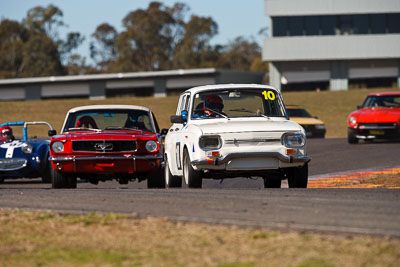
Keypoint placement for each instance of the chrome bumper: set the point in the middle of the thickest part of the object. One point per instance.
(227, 158)
(132, 157)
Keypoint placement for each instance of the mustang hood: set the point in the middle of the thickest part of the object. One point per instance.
(259, 125)
(377, 115)
(108, 135)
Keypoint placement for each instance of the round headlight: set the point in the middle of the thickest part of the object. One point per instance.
(293, 140)
(353, 120)
(26, 148)
(57, 147)
(151, 146)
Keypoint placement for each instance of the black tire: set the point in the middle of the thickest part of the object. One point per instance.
(62, 180)
(298, 177)
(191, 177)
(156, 179)
(171, 181)
(46, 173)
(351, 138)
(272, 181)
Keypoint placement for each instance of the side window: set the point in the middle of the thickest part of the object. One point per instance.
(184, 103)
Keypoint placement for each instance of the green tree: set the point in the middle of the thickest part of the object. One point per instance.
(102, 49)
(241, 54)
(149, 38)
(12, 38)
(194, 49)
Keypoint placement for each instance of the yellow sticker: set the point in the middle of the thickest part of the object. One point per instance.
(269, 95)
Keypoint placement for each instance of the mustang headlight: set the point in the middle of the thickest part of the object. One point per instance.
(210, 142)
(57, 147)
(26, 148)
(151, 146)
(353, 120)
(293, 140)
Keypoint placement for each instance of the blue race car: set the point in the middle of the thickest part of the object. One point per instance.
(25, 158)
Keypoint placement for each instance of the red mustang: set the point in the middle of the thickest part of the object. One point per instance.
(377, 118)
(105, 142)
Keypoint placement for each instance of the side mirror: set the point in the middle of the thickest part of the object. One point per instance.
(359, 107)
(177, 119)
(52, 132)
(164, 131)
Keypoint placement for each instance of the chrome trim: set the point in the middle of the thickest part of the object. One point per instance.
(227, 158)
(4, 162)
(265, 140)
(134, 157)
(376, 127)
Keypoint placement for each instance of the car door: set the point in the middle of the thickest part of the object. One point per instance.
(174, 141)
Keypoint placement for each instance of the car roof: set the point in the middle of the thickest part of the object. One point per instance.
(384, 93)
(198, 89)
(133, 107)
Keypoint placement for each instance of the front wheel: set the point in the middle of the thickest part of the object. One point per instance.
(272, 181)
(191, 177)
(156, 179)
(298, 177)
(46, 174)
(351, 138)
(171, 181)
(62, 180)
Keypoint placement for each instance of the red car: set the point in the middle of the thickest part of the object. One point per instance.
(377, 118)
(105, 142)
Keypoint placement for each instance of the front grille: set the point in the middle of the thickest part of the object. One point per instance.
(105, 146)
(12, 164)
(367, 126)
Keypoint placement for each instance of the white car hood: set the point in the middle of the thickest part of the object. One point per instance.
(248, 125)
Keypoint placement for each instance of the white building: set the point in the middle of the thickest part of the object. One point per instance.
(333, 43)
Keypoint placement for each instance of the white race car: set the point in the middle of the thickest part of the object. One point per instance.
(235, 130)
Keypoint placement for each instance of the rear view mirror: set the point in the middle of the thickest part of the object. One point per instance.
(52, 132)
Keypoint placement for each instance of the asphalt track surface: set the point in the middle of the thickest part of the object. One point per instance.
(242, 201)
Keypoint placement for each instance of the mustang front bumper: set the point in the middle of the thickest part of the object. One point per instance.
(107, 164)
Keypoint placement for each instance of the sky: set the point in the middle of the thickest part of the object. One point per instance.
(234, 17)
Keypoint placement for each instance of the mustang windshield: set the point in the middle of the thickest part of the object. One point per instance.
(237, 103)
(106, 119)
(382, 101)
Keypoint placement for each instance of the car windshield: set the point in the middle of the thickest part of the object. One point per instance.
(236, 103)
(382, 101)
(298, 112)
(113, 120)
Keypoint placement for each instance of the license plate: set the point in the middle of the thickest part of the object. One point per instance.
(377, 132)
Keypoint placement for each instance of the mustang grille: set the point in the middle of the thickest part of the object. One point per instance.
(105, 146)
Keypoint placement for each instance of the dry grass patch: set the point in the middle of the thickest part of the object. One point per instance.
(49, 239)
(332, 107)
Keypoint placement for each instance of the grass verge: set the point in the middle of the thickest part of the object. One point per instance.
(50, 239)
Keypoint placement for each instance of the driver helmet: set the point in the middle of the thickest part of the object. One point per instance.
(6, 133)
(214, 102)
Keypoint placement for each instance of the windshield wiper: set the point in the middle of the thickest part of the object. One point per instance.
(84, 129)
(250, 111)
(218, 113)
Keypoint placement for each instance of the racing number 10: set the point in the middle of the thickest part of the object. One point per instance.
(268, 95)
